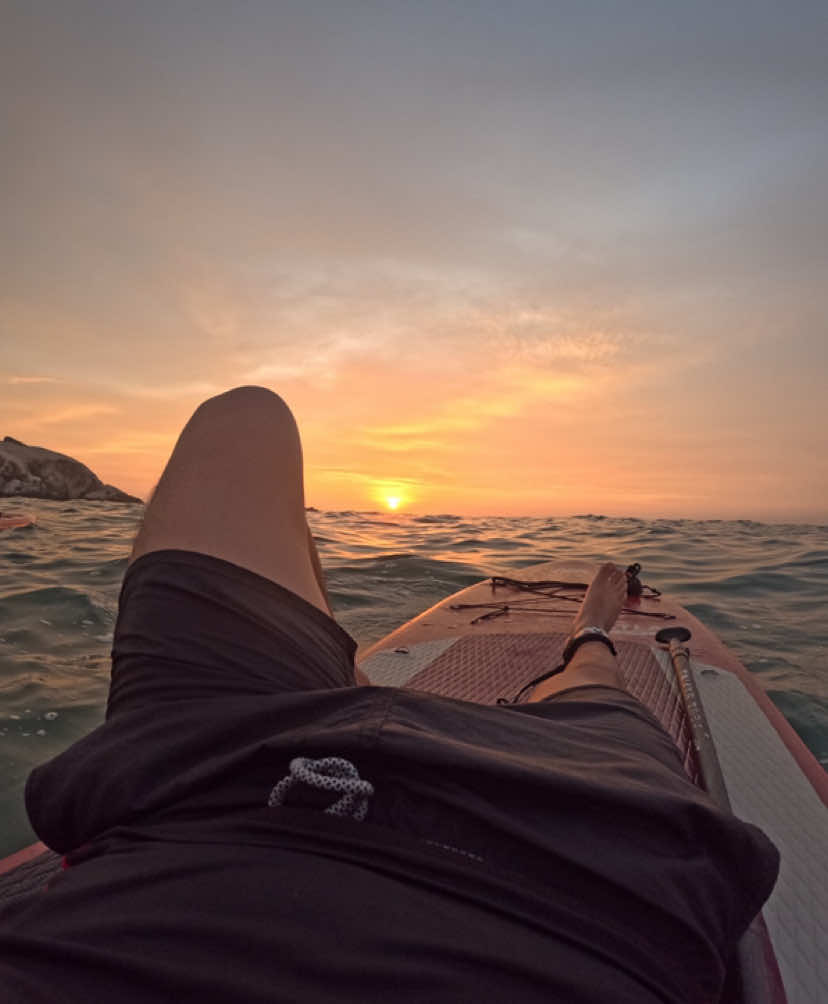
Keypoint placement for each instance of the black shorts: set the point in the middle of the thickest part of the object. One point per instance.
(553, 850)
(193, 627)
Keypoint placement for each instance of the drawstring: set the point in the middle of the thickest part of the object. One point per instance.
(331, 774)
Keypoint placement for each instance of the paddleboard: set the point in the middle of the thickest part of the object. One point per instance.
(490, 639)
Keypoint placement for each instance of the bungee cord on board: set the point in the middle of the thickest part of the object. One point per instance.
(552, 589)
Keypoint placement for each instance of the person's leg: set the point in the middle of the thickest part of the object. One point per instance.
(233, 489)
(592, 663)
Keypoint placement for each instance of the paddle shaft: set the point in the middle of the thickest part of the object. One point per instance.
(711, 772)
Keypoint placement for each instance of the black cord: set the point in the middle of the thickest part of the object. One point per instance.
(531, 684)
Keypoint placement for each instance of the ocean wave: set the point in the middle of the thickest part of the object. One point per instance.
(437, 518)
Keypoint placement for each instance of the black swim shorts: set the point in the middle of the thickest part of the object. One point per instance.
(548, 851)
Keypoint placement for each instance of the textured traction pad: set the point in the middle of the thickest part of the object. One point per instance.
(485, 667)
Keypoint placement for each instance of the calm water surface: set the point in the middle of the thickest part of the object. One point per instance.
(761, 587)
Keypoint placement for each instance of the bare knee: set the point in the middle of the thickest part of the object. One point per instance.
(246, 398)
(250, 405)
(241, 449)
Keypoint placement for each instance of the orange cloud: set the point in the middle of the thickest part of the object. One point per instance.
(71, 413)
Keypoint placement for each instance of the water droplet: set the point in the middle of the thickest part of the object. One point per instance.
(15, 718)
(44, 621)
(40, 732)
(50, 716)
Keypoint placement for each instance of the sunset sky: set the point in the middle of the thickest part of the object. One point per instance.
(499, 258)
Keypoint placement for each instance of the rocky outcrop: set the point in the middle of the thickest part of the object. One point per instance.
(33, 472)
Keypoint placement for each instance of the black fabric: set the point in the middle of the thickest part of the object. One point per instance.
(543, 852)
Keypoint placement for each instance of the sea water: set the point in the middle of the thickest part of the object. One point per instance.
(762, 588)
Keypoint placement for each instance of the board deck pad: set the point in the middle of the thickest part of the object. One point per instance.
(486, 667)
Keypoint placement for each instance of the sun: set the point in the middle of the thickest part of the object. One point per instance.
(390, 494)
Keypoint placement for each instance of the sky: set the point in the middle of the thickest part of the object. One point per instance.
(531, 258)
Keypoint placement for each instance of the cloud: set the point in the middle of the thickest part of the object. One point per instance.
(129, 444)
(32, 379)
(348, 474)
(504, 393)
(72, 413)
(320, 362)
(173, 391)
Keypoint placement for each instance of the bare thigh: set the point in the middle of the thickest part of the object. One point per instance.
(233, 488)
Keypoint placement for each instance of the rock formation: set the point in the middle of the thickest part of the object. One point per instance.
(32, 472)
